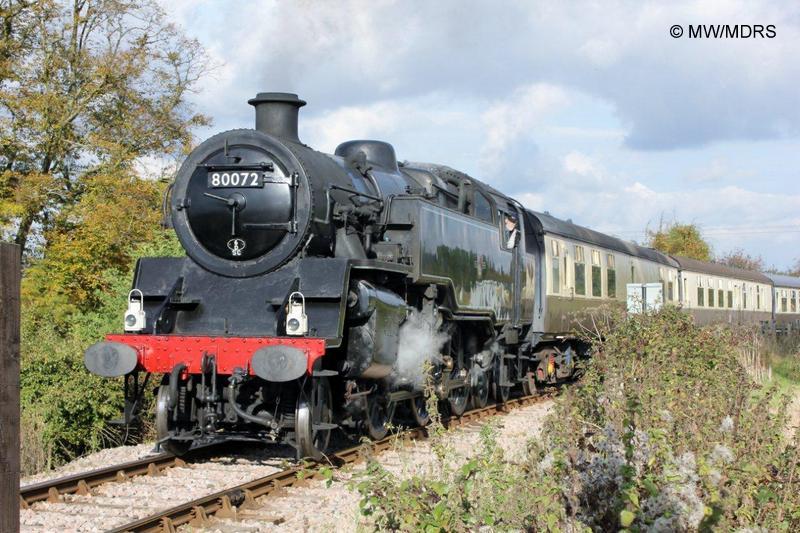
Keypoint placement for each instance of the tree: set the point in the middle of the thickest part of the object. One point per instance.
(793, 270)
(114, 215)
(738, 258)
(680, 239)
(87, 87)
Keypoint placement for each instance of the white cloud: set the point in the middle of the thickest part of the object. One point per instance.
(668, 92)
(729, 217)
(601, 52)
(494, 91)
(533, 201)
(517, 117)
(580, 164)
(155, 167)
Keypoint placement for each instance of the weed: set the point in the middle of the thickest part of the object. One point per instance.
(670, 429)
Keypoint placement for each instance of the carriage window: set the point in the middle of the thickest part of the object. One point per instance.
(711, 297)
(611, 277)
(580, 271)
(701, 296)
(597, 275)
(794, 301)
(611, 282)
(670, 286)
(730, 299)
(556, 274)
(483, 208)
(758, 297)
(784, 306)
(720, 298)
(744, 296)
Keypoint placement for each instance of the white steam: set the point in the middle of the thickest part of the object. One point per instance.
(420, 341)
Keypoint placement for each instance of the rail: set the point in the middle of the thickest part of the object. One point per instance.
(228, 502)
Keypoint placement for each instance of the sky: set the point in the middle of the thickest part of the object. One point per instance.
(592, 111)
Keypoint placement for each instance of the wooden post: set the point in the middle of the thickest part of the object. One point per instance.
(10, 269)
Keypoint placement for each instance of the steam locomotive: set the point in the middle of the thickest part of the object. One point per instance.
(318, 289)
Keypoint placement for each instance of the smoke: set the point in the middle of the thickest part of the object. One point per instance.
(420, 341)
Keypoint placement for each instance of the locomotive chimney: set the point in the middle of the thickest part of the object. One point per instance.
(276, 114)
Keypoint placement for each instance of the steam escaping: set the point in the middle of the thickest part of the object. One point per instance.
(420, 341)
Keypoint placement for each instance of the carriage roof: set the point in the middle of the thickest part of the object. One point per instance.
(716, 269)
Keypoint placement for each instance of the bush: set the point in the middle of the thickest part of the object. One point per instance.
(484, 491)
(666, 432)
(65, 409)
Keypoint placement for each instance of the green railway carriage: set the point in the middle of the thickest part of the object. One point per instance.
(718, 293)
(785, 302)
(583, 269)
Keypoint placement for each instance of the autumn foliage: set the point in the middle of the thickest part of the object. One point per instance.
(93, 117)
(680, 239)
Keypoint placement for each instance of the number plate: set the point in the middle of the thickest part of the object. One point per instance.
(220, 179)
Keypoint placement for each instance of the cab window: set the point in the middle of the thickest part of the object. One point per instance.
(509, 243)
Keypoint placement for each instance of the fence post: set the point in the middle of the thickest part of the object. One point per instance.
(10, 269)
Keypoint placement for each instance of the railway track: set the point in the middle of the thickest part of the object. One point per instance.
(78, 493)
(229, 503)
(81, 483)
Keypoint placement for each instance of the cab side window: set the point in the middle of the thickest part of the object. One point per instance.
(510, 228)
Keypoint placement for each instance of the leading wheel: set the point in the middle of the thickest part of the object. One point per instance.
(313, 419)
(166, 424)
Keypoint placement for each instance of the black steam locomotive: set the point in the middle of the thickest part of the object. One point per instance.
(318, 288)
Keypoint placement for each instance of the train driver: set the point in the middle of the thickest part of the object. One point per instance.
(512, 233)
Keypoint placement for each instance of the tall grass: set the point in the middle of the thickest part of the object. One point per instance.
(669, 430)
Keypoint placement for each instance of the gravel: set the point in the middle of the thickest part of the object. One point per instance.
(114, 504)
(316, 507)
(313, 507)
(101, 459)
